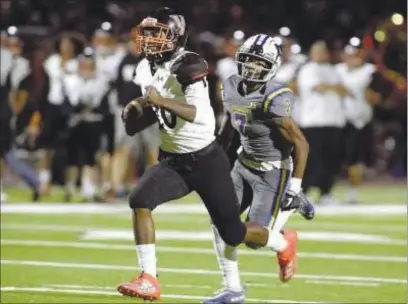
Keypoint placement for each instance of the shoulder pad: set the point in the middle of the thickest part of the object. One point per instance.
(278, 100)
(273, 86)
(189, 68)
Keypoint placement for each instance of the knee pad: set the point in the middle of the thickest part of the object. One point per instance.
(253, 245)
(232, 233)
(138, 200)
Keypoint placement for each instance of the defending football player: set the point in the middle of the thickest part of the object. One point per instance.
(176, 94)
(266, 179)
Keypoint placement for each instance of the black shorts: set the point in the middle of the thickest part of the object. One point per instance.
(55, 128)
(358, 145)
(207, 172)
(82, 144)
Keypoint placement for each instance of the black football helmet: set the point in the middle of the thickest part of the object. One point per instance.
(160, 35)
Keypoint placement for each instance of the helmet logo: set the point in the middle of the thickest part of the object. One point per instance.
(180, 23)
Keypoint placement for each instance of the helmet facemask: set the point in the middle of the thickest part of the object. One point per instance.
(155, 39)
(254, 68)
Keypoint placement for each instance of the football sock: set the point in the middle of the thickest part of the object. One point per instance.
(281, 219)
(276, 241)
(228, 263)
(147, 258)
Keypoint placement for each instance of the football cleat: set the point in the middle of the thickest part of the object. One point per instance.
(226, 296)
(287, 258)
(306, 208)
(144, 287)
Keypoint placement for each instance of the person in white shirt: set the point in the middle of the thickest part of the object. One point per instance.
(292, 60)
(109, 55)
(84, 91)
(322, 118)
(356, 75)
(54, 122)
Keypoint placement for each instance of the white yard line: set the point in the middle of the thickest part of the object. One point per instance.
(118, 234)
(181, 286)
(195, 208)
(200, 271)
(292, 223)
(195, 236)
(357, 284)
(113, 293)
(189, 250)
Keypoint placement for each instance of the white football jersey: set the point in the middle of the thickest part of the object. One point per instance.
(56, 72)
(176, 134)
(358, 110)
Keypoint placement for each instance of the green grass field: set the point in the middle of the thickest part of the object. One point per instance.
(61, 253)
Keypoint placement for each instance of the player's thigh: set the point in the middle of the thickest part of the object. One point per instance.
(214, 184)
(159, 184)
(242, 188)
(269, 189)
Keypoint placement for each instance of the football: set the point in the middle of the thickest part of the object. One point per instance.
(138, 117)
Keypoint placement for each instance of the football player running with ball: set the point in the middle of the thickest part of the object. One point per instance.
(175, 93)
(266, 179)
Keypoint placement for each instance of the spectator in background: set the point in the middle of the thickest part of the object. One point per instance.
(322, 118)
(109, 55)
(145, 143)
(15, 82)
(292, 60)
(54, 124)
(84, 91)
(356, 75)
(227, 65)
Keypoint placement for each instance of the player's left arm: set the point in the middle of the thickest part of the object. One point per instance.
(279, 113)
(190, 70)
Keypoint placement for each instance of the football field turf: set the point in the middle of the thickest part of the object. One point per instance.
(77, 253)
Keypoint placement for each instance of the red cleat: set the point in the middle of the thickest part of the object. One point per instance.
(288, 258)
(144, 286)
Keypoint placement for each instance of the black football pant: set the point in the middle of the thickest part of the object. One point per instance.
(324, 158)
(207, 172)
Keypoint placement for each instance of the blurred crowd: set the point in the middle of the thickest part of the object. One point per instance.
(67, 70)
